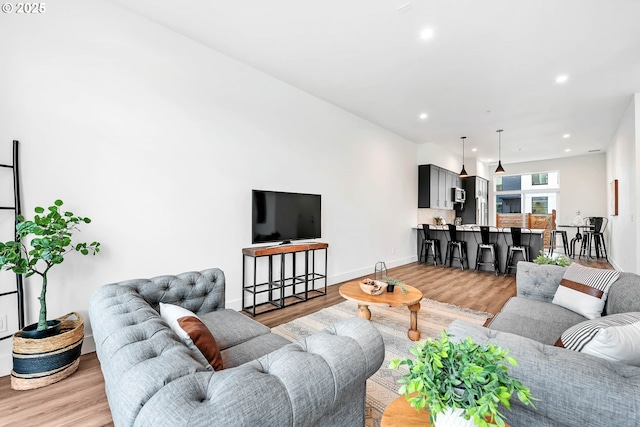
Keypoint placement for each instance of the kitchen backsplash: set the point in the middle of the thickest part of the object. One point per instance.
(426, 216)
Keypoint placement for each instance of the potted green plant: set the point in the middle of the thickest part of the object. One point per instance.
(392, 283)
(51, 241)
(463, 379)
(560, 260)
(438, 220)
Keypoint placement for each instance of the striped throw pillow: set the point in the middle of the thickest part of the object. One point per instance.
(584, 289)
(615, 338)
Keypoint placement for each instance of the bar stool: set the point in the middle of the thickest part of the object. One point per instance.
(429, 242)
(486, 243)
(520, 242)
(452, 243)
(565, 242)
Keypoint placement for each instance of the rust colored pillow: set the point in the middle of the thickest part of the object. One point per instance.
(202, 338)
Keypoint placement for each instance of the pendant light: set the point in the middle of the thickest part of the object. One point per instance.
(463, 173)
(499, 169)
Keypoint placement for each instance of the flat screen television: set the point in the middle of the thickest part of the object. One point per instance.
(280, 216)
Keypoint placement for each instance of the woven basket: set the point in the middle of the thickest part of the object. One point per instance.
(40, 362)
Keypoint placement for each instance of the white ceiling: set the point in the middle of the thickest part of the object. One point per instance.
(490, 65)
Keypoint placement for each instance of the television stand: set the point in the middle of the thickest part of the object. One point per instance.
(278, 289)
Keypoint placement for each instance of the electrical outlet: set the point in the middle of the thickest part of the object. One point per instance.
(3, 323)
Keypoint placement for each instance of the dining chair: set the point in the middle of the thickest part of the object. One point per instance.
(429, 242)
(520, 243)
(594, 236)
(486, 240)
(453, 243)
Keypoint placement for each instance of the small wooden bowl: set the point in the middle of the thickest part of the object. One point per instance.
(373, 287)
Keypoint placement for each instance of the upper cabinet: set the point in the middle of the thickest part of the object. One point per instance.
(435, 186)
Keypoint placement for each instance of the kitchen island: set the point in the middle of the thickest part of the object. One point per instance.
(469, 234)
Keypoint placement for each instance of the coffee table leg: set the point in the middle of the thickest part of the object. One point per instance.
(414, 333)
(363, 312)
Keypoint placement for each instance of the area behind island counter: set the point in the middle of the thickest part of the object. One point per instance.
(466, 233)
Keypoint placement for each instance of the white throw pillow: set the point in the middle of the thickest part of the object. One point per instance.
(584, 289)
(170, 313)
(615, 338)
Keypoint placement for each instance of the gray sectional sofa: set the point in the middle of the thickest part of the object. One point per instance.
(153, 379)
(574, 389)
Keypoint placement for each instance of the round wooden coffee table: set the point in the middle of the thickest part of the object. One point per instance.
(399, 413)
(352, 292)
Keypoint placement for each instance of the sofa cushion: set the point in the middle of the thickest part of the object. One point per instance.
(232, 328)
(584, 289)
(615, 338)
(170, 313)
(537, 320)
(252, 349)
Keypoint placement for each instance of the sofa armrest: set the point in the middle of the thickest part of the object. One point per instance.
(573, 389)
(538, 282)
(319, 380)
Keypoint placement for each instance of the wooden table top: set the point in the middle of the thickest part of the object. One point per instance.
(399, 413)
(352, 292)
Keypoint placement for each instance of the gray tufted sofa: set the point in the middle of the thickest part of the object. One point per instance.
(152, 379)
(574, 389)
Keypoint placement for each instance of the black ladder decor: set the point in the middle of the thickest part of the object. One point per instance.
(16, 209)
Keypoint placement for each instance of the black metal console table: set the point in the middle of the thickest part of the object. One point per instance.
(287, 288)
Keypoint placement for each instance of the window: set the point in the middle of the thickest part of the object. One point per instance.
(540, 205)
(539, 179)
(529, 193)
(509, 203)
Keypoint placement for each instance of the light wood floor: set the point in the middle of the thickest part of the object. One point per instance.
(80, 399)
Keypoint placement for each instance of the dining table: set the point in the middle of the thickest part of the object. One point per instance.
(577, 238)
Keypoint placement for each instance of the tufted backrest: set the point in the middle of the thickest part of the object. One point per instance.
(197, 291)
(624, 294)
(540, 282)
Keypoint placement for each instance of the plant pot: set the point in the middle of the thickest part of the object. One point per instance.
(390, 288)
(31, 331)
(453, 417)
(38, 362)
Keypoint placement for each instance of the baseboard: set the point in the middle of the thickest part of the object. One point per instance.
(236, 304)
(6, 364)
(344, 277)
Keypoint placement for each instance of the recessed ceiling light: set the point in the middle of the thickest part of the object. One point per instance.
(562, 78)
(423, 116)
(566, 135)
(426, 34)
(474, 149)
(566, 150)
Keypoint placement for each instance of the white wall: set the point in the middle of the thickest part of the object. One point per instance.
(622, 158)
(160, 140)
(431, 153)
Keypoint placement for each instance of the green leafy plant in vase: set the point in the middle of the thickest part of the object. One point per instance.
(52, 230)
(560, 260)
(392, 283)
(464, 378)
(438, 220)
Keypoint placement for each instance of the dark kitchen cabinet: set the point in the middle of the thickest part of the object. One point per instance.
(435, 186)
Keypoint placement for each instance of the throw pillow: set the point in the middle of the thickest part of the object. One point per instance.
(203, 340)
(615, 338)
(193, 333)
(584, 289)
